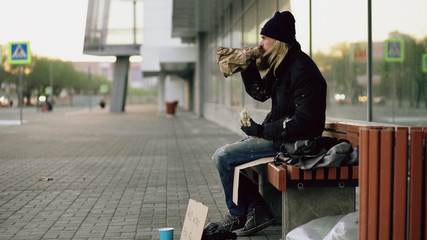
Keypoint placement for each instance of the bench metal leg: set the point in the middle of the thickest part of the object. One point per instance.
(299, 206)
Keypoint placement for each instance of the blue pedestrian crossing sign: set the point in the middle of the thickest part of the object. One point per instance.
(19, 53)
(103, 88)
(394, 50)
(48, 91)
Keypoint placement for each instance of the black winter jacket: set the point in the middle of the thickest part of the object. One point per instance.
(298, 93)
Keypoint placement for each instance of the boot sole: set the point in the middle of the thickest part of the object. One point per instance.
(241, 232)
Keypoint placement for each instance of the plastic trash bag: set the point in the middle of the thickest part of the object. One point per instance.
(341, 227)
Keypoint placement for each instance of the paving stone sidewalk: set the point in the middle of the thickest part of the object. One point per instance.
(80, 174)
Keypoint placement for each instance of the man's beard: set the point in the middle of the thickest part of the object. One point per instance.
(262, 63)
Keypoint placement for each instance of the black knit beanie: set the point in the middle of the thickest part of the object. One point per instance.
(280, 27)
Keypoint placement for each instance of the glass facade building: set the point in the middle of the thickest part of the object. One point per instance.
(114, 27)
(382, 54)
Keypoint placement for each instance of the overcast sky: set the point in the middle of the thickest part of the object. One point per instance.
(54, 28)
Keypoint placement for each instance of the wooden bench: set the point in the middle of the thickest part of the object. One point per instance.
(393, 183)
(391, 177)
(311, 194)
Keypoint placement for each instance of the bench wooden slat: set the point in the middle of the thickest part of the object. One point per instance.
(400, 183)
(385, 183)
(320, 174)
(344, 173)
(373, 188)
(415, 194)
(294, 172)
(308, 175)
(425, 184)
(363, 183)
(351, 127)
(352, 137)
(346, 127)
(332, 173)
(277, 176)
(355, 172)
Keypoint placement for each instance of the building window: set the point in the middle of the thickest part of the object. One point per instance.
(236, 81)
(333, 54)
(399, 84)
(250, 39)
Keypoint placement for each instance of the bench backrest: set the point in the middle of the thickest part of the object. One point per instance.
(389, 159)
(342, 130)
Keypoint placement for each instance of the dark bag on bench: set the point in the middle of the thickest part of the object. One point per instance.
(320, 152)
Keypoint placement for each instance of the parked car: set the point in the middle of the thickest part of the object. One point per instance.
(4, 102)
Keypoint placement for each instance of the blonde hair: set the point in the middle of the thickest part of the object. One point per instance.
(276, 54)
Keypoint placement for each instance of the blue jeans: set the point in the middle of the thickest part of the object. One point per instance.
(234, 154)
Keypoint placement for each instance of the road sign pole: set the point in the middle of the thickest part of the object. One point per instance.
(21, 98)
(424, 62)
(393, 101)
(19, 53)
(1, 55)
(89, 92)
(51, 82)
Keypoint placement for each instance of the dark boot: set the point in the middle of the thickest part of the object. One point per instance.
(256, 220)
(229, 223)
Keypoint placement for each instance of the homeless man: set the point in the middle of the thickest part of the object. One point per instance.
(298, 101)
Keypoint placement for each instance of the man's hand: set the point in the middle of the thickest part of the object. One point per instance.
(254, 129)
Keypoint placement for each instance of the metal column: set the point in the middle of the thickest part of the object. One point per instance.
(120, 82)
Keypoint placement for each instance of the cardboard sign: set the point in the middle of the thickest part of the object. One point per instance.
(194, 221)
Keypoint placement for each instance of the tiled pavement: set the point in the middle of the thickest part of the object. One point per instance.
(114, 176)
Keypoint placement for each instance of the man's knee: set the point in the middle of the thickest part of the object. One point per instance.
(219, 158)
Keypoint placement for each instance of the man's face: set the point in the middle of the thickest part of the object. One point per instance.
(266, 43)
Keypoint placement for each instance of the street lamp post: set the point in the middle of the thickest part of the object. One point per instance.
(89, 90)
(20, 92)
(51, 82)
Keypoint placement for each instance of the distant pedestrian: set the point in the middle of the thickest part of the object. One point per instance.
(102, 103)
(49, 106)
(297, 91)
